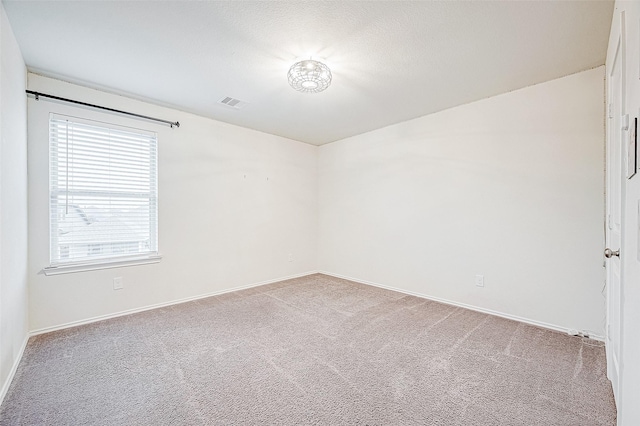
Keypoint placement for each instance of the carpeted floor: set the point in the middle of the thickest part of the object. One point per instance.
(313, 350)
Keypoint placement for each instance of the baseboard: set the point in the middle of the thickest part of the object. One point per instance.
(14, 368)
(161, 305)
(215, 293)
(464, 305)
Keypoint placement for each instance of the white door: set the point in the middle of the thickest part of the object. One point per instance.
(615, 175)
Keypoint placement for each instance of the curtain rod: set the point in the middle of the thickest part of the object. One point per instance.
(37, 95)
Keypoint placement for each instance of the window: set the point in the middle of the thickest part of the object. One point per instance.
(103, 193)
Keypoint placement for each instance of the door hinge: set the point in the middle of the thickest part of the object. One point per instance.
(625, 122)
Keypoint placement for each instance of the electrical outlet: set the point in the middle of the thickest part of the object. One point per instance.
(117, 283)
(574, 332)
(479, 280)
(290, 257)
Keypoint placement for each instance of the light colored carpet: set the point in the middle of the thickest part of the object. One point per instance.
(313, 350)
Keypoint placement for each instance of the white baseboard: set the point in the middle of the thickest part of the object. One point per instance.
(464, 305)
(14, 368)
(161, 305)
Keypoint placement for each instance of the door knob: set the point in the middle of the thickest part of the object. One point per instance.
(608, 253)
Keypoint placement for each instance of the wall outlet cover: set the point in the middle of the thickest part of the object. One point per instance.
(117, 283)
(479, 280)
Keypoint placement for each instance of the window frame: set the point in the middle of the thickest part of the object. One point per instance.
(116, 260)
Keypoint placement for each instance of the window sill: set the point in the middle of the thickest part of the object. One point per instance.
(105, 264)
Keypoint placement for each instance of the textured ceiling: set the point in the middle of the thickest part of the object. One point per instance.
(391, 61)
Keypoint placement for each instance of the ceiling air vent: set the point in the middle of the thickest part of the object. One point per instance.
(232, 102)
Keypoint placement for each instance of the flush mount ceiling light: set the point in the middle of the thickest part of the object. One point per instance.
(309, 76)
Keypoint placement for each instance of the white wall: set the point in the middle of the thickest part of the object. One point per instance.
(629, 392)
(233, 203)
(510, 187)
(13, 204)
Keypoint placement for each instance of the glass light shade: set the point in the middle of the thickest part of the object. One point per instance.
(309, 76)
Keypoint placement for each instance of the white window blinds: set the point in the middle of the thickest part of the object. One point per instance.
(103, 191)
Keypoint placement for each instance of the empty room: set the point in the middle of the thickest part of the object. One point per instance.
(319, 212)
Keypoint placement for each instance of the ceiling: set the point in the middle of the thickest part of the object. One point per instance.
(391, 60)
